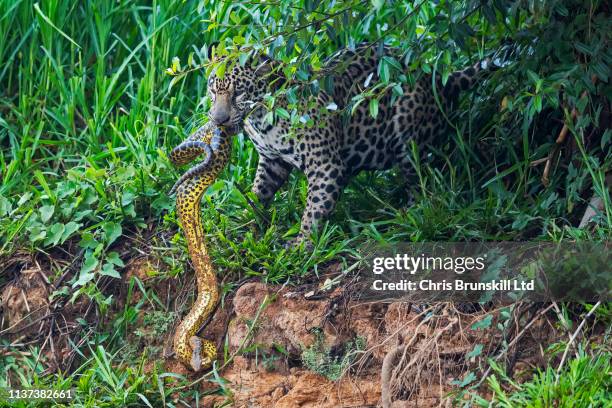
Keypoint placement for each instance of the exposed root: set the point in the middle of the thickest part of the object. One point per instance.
(385, 374)
(410, 370)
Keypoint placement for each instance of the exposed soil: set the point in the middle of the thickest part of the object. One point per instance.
(434, 342)
(265, 330)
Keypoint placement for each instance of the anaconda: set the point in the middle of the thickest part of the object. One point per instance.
(190, 349)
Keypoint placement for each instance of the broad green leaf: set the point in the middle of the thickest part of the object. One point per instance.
(46, 212)
(109, 270)
(88, 241)
(163, 202)
(112, 231)
(55, 233)
(84, 278)
(113, 257)
(69, 229)
(89, 264)
(221, 67)
(476, 351)
(37, 233)
(482, 324)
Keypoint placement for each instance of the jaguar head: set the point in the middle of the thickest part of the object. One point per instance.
(234, 93)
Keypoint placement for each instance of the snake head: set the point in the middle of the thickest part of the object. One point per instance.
(198, 362)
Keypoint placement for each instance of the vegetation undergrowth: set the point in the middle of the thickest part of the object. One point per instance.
(94, 94)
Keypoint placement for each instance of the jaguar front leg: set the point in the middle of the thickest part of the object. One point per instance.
(324, 188)
(270, 176)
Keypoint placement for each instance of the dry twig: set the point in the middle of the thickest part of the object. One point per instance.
(573, 338)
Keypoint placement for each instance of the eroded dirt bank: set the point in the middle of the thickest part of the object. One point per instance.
(427, 349)
(288, 346)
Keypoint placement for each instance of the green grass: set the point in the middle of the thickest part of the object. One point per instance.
(87, 116)
(585, 382)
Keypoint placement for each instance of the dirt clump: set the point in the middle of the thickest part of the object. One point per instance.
(25, 303)
(296, 387)
(284, 318)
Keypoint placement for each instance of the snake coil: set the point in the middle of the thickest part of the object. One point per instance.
(190, 349)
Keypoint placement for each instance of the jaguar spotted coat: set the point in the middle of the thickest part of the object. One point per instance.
(337, 147)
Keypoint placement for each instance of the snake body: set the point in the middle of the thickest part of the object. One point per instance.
(216, 144)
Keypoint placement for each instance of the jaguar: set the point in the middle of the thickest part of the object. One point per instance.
(338, 146)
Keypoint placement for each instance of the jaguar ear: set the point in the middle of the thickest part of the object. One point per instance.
(263, 66)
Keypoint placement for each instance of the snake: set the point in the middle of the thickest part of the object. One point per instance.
(215, 144)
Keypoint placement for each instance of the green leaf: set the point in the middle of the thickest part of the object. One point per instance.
(37, 233)
(467, 379)
(55, 234)
(394, 63)
(89, 264)
(602, 70)
(538, 102)
(476, 351)
(269, 118)
(383, 70)
(109, 270)
(243, 58)
(69, 229)
(282, 113)
(220, 72)
(88, 241)
(24, 199)
(533, 77)
(374, 107)
(483, 324)
(378, 4)
(521, 221)
(46, 211)
(84, 279)
(112, 231)
(398, 90)
(86, 274)
(5, 206)
(583, 48)
(127, 198)
(113, 257)
(161, 203)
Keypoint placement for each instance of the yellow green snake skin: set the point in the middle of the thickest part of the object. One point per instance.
(190, 349)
